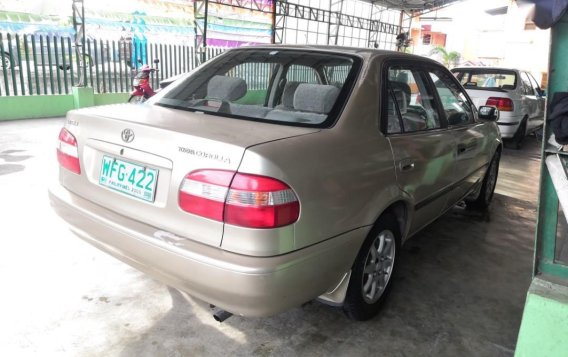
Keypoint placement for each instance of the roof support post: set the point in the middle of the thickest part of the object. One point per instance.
(543, 327)
(280, 14)
(374, 25)
(545, 260)
(79, 27)
(334, 21)
(200, 11)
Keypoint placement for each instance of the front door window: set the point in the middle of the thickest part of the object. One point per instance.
(456, 107)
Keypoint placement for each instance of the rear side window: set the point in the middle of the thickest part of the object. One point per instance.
(488, 79)
(305, 88)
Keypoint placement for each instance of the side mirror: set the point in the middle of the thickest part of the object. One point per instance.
(156, 61)
(488, 113)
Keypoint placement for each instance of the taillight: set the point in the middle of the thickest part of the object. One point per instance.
(204, 192)
(239, 199)
(503, 104)
(67, 152)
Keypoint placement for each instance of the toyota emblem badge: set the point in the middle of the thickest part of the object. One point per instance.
(127, 135)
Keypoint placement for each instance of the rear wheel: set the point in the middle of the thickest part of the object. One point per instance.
(136, 99)
(520, 134)
(373, 270)
(6, 61)
(488, 186)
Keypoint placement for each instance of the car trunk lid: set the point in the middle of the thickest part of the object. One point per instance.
(480, 96)
(165, 143)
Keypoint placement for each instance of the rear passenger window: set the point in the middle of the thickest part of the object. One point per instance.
(412, 100)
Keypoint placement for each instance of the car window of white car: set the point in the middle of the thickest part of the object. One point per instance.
(457, 108)
(414, 102)
(527, 86)
(534, 83)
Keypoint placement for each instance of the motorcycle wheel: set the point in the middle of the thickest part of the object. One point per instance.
(136, 99)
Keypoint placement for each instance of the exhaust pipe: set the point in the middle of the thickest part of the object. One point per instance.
(221, 315)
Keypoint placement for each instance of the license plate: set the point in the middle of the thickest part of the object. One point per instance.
(132, 179)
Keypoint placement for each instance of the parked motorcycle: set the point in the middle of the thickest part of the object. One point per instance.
(142, 90)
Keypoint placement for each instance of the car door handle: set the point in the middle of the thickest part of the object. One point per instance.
(406, 164)
(466, 147)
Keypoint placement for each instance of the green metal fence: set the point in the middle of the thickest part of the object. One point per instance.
(43, 65)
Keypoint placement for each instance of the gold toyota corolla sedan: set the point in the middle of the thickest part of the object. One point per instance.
(272, 176)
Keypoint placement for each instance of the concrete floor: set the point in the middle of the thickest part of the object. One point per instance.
(460, 291)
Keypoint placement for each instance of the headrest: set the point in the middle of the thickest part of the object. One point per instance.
(400, 86)
(315, 98)
(401, 93)
(402, 77)
(226, 88)
(288, 94)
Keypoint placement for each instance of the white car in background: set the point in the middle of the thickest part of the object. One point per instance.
(517, 95)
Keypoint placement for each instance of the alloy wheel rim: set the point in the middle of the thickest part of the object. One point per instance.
(378, 266)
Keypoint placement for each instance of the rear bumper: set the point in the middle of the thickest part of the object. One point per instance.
(244, 285)
(508, 125)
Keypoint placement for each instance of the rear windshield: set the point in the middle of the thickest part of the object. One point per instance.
(304, 88)
(488, 79)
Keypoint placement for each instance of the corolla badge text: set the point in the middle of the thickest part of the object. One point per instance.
(205, 154)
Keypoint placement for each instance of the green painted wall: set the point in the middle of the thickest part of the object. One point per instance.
(46, 106)
(34, 106)
(111, 98)
(544, 329)
(83, 97)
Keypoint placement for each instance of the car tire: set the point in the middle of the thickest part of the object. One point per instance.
(520, 134)
(487, 187)
(373, 270)
(6, 61)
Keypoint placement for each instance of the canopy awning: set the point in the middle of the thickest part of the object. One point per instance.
(412, 5)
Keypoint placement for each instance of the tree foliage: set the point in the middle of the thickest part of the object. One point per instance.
(449, 58)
